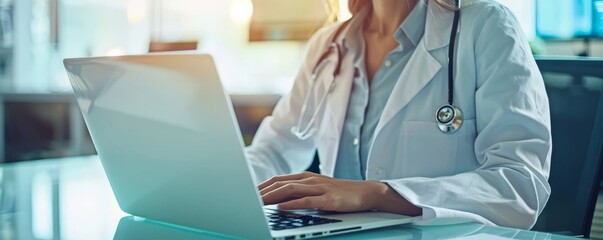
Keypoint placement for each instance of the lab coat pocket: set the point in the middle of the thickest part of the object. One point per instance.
(428, 152)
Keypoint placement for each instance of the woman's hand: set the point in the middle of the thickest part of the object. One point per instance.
(310, 190)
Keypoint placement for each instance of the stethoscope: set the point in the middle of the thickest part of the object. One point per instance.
(449, 118)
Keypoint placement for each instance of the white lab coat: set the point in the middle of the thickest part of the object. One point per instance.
(494, 170)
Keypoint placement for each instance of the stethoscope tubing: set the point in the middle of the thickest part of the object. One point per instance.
(451, 49)
(305, 132)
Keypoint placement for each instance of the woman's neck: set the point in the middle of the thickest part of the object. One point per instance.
(387, 15)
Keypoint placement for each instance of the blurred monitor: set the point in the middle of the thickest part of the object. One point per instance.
(598, 18)
(567, 19)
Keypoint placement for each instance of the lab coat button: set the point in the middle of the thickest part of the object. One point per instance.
(378, 171)
(388, 63)
(355, 141)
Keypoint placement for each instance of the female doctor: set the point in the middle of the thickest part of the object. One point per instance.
(416, 107)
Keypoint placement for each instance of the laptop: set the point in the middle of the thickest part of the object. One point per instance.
(171, 148)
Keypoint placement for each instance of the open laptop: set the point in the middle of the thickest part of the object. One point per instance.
(170, 145)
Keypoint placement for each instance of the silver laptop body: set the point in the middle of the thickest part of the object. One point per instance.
(170, 145)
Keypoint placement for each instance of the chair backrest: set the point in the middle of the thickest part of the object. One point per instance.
(574, 87)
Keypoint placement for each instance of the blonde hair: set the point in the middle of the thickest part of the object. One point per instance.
(356, 5)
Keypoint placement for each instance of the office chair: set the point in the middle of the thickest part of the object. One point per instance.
(574, 87)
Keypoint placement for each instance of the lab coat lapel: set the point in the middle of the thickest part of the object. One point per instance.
(422, 66)
(337, 105)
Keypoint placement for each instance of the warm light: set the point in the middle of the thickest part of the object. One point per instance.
(137, 11)
(344, 11)
(241, 11)
(118, 51)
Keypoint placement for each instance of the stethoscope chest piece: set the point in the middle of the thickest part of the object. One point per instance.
(449, 118)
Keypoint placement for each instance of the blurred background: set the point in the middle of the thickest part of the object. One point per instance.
(258, 47)
(263, 39)
(257, 50)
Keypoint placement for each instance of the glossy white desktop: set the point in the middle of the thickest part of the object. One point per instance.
(71, 198)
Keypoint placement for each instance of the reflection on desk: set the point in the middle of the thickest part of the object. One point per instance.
(71, 198)
(139, 228)
(66, 198)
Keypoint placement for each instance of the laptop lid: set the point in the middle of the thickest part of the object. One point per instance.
(166, 134)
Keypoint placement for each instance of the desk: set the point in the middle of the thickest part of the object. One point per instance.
(70, 198)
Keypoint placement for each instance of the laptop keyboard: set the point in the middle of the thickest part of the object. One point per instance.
(286, 220)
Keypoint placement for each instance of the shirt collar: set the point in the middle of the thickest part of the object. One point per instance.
(414, 25)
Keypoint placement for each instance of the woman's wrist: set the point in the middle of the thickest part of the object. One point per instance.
(382, 197)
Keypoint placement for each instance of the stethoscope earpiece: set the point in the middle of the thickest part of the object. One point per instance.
(449, 118)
